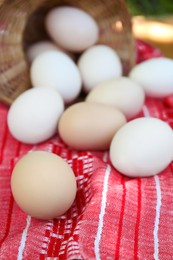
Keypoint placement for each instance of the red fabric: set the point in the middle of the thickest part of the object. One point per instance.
(113, 217)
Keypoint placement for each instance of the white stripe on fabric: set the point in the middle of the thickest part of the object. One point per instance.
(146, 111)
(158, 204)
(105, 156)
(102, 213)
(23, 239)
(156, 225)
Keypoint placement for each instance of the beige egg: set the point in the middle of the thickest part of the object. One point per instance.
(89, 126)
(43, 185)
(123, 93)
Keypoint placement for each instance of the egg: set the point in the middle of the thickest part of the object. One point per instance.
(43, 185)
(142, 147)
(55, 69)
(89, 126)
(72, 28)
(97, 64)
(123, 93)
(40, 47)
(34, 115)
(155, 76)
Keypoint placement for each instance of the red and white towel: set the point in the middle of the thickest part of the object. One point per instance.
(113, 217)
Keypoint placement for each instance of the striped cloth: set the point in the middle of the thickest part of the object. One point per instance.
(112, 217)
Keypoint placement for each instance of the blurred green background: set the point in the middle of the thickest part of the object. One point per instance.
(150, 7)
(153, 23)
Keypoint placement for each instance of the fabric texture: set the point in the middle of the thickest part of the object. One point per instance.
(112, 217)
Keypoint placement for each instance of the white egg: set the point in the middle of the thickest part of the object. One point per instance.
(123, 93)
(142, 147)
(97, 64)
(72, 28)
(34, 115)
(40, 47)
(55, 69)
(155, 75)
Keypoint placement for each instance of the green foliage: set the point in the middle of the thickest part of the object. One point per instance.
(150, 7)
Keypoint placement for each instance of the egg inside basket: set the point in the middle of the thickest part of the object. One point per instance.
(22, 23)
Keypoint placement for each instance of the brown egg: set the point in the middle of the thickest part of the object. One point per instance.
(90, 126)
(43, 185)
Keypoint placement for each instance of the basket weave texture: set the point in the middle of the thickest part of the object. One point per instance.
(22, 23)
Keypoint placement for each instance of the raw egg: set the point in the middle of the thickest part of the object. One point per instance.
(89, 126)
(40, 47)
(33, 116)
(155, 76)
(142, 147)
(57, 70)
(98, 63)
(123, 93)
(43, 185)
(72, 28)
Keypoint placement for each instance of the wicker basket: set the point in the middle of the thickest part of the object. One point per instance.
(22, 23)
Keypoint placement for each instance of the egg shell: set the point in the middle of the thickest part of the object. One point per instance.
(43, 185)
(89, 126)
(40, 47)
(123, 93)
(97, 64)
(142, 147)
(72, 28)
(155, 76)
(34, 115)
(55, 69)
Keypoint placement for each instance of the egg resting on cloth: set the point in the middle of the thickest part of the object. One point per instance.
(113, 217)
